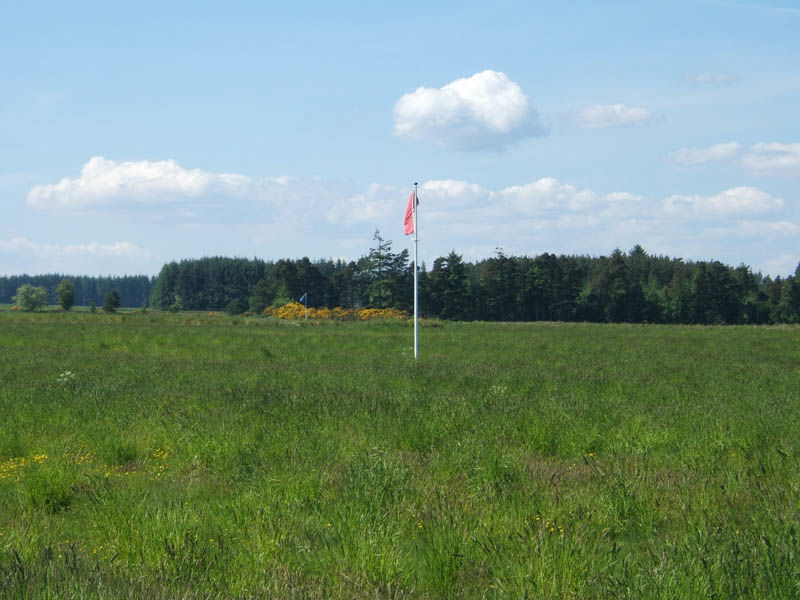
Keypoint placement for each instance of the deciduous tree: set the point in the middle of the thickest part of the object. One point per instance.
(66, 294)
(30, 297)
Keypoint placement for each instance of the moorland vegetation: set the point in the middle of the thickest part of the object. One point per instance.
(189, 455)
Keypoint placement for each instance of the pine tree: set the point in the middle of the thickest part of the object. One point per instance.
(111, 302)
(703, 309)
(500, 286)
(380, 259)
(449, 287)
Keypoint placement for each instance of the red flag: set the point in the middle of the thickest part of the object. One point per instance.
(408, 221)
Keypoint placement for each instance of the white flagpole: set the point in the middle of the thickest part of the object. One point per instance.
(416, 298)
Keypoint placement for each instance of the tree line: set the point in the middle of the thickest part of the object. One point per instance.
(633, 287)
(134, 290)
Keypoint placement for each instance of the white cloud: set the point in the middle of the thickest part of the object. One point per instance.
(374, 205)
(461, 203)
(487, 111)
(783, 265)
(764, 158)
(124, 249)
(710, 78)
(546, 194)
(446, 194)
(17, 244)
(284, 217)
(90, 257)
(117, 249)
(699, 156)
(622, 198)
(620, 206)
(103, 182)
(773, 158)
(601, 116)
(451, 188)
(740, 200)
(767, 228)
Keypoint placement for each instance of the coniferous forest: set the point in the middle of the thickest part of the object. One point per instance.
(134, 290)
(631, 287)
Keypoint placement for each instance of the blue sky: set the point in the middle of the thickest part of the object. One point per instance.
(133, 135)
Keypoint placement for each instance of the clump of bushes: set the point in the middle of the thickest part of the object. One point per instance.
(236, 307)
(295, 310)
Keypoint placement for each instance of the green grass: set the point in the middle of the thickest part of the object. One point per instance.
(218, 457)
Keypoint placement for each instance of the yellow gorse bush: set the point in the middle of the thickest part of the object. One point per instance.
(295, 310)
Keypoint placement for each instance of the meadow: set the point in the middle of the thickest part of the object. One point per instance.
(208, 456)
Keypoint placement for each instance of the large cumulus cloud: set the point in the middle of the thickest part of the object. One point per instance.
(487, 111)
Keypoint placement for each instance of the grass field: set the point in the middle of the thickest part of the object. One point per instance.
(191, 456)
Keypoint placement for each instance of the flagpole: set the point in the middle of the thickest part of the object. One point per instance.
(416, 297)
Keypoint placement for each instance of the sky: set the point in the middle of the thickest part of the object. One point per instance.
(140, 133)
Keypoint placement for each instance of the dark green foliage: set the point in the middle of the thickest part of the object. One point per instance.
(634, 287)
(287, 281)
(206, 283)
(111, 302)
(616, 290)
(788, 305)
(262, 296)
(133, 289)
(449, 288)
(678, 294)
(236, 307)
(499, 281)
(65, 291)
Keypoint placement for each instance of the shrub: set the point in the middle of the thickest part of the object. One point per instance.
(111, 302)
(295, 310)
(176, 305)
(236, 307)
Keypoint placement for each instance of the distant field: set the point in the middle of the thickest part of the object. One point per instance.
(194, 456)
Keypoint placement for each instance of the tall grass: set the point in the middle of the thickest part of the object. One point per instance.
(192, 456)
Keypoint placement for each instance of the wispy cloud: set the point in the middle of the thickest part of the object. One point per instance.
(773, 159)
(87, 257)
(599, 116)
(700, 156)
(736, 201)
(764, 158)
(784, 264)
